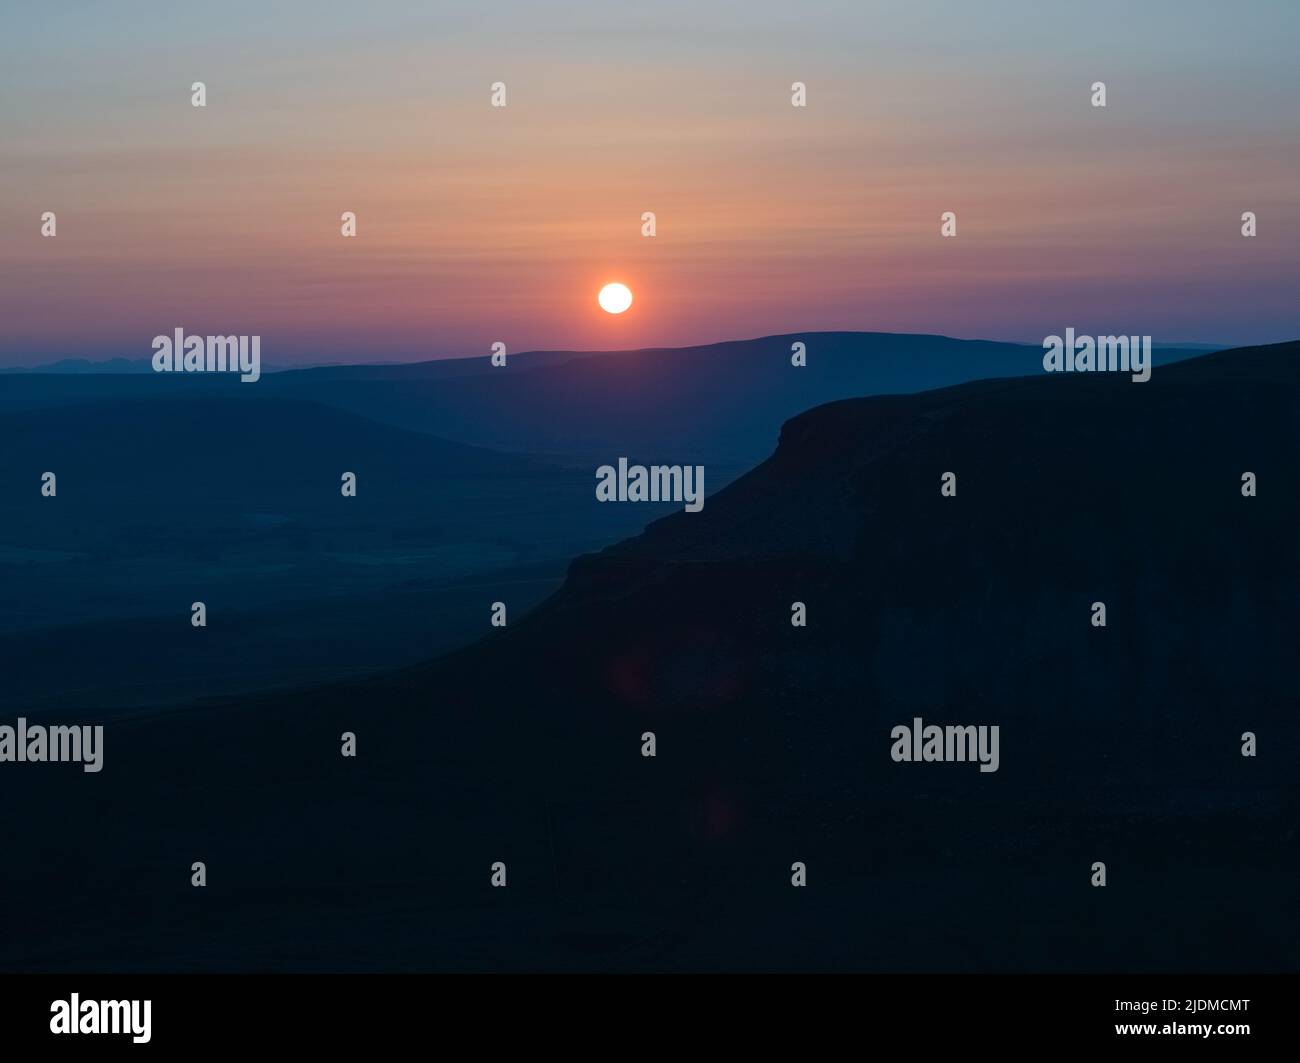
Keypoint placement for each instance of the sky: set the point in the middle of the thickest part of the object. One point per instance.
(478, 224)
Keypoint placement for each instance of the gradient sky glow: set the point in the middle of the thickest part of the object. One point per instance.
(479, 224)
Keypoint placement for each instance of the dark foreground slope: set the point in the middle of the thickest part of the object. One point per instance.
(1119, 744)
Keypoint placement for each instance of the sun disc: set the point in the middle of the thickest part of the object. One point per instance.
(614, 298)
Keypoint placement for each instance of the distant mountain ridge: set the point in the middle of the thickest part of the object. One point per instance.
(720, 402)
(107, 366)
(455, 365)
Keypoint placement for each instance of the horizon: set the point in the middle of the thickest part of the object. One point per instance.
(478, 225)
(1176, 345)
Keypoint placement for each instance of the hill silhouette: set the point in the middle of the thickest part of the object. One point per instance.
(720, 403)
(1119, 744)
(716, 402)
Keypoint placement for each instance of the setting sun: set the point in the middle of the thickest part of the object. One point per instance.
(615, 298)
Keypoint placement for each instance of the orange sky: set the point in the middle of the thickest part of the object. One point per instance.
(479, 224)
